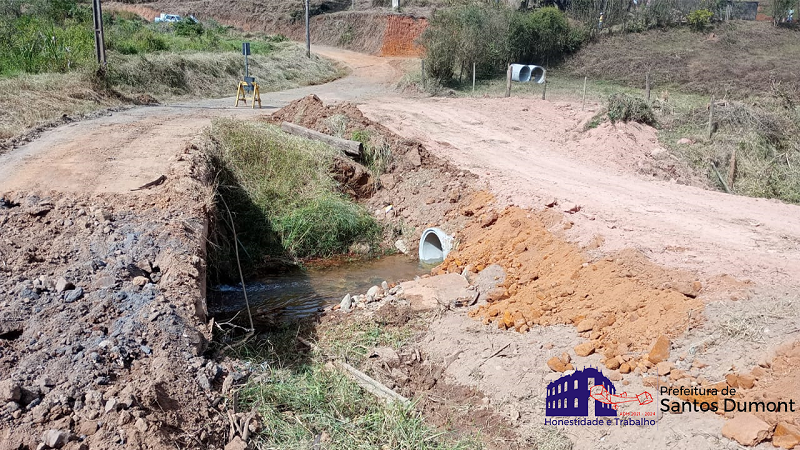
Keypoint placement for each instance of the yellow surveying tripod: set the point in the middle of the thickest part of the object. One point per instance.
(249, 85)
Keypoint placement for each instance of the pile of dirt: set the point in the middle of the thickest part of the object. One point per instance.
(619, 302)
(102, 318)
(312, 113)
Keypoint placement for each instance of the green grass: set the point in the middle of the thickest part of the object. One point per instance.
(377, 154)
(47, 66)
(285, 201)
(57, 36)
(298, 397)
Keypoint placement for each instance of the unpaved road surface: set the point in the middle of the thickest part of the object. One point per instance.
(532, 151)
(125, 150)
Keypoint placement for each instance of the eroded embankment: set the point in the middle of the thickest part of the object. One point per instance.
(372, 32)
(102, 317)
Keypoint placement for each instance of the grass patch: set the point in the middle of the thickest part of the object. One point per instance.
(627, 108)
(285, 201)
(299, 398)
(295, 406)
(377, 154)
(352, 341)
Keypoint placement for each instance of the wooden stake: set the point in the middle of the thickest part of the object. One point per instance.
(422, 62)
(544, 90)
(732, 170)
(711, 118)
(508, 81)
(473, 78)
(583, 107)
(365, 381)
(647, 86)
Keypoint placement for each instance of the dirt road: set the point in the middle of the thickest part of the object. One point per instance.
(124, 150)
(532, 151)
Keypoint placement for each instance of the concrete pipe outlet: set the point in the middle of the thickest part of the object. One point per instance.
(521, 73)
(538, 74)
(434, 245)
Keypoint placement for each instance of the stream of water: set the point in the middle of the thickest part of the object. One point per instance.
(304, 293)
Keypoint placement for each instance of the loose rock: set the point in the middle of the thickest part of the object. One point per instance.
(746, 429)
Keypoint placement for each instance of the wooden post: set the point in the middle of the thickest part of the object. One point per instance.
(508, 81)
(732, 170)
(473, 78)
(544, 90)
(647, 86)
(422, 63)
(583, 107)
(308, 30)
(350, 148)
(711, 118)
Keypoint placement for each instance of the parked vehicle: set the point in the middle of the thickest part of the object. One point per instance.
(169, 18)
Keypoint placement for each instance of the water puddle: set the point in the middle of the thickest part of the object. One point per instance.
(300, 294)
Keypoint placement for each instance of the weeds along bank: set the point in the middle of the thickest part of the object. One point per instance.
(279, 195)
(48, 71)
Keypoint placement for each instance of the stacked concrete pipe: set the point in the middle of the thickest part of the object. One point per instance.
(434, 245)
(525, 73)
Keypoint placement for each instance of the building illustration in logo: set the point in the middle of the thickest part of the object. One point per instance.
(570, 394)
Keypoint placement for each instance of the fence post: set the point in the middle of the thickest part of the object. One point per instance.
(544, 91)
(647, 86)
(422, 62)
(473, 78)
(508, 81)
(583, 106)
(711, 118)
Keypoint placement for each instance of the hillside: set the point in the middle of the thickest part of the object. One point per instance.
(367, 26)
(735, 59)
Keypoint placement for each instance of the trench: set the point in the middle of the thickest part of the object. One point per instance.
(287, 297)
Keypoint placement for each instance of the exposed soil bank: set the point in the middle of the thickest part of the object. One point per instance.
(373, 32)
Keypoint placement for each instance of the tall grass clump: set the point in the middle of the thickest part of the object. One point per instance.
(627, 108)
(282, 196)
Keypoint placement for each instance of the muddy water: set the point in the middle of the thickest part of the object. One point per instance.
(303, 293)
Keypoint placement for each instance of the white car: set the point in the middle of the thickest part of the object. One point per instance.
(168, 18)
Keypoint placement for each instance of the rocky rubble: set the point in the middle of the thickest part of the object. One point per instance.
(102, 321)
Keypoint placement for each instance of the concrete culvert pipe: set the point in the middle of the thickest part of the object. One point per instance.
(434, 245)
(521, 73)
(538, 74)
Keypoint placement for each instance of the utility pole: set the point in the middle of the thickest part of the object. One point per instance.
(308, 29)
(99, 38)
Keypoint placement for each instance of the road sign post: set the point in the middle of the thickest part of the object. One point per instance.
(246, 52)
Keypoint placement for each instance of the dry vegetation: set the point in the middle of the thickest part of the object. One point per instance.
(735, 59)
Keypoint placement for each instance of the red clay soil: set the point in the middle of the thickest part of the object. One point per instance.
(402, 33)
(619, 302)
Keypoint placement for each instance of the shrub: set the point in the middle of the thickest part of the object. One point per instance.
(491, 37)
(626, 108)
(188, 28)
(700, 19)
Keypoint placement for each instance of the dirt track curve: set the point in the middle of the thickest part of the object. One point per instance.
(124, 150)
